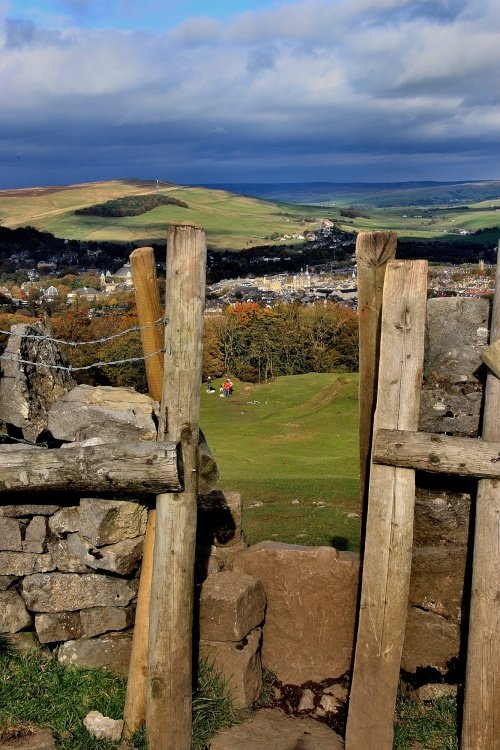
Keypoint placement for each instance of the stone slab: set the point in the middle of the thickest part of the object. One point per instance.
(13, 613)
(308, 632)
(269, 728)
(104, 522)
(111, 652)
(219, 518)
(29, 739)
(122, 557)
(22, 511)
(10, 534)
(61, 592)
(24, 563)
(430, 641)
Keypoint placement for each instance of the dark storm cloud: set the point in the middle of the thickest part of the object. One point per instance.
(308, 90)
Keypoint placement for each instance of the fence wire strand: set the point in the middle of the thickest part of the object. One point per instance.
(70, 368)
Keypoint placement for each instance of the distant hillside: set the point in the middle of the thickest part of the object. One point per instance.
(383, 194)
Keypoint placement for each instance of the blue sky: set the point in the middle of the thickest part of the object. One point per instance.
(248, 91)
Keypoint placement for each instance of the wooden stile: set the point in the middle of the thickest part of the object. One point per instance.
(481, 717)
(389, 529)
(373, 251)
(169, 695)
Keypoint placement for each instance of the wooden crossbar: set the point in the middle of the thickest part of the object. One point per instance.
(440, 454)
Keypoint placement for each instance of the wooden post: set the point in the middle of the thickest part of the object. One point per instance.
(389, 529)
(481, 718)
(169, 697)
(373, 251)
(149, 310)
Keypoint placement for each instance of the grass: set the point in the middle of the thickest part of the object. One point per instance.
(432, 725)
(291, 448)
(37, 691)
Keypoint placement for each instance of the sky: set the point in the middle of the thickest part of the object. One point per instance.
(249, 90)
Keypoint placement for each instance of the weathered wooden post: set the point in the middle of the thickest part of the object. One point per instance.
(169, 695)
(149, 311)
(389, 527)
(373, 251)
(481, 719)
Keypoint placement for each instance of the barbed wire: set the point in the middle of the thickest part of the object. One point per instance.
(103, 340)
(71, 368)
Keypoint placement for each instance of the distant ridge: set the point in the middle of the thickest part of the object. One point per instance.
(380, 194)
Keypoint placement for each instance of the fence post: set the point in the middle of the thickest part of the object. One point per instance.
(481, 719)
(389, 526)
(149, 311)
(169, 694)
(373, 251)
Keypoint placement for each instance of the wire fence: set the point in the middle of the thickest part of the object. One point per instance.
(45, 338)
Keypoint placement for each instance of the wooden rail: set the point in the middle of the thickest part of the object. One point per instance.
(130, 468)
(437, 453)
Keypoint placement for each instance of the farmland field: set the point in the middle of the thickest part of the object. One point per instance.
(291, 448)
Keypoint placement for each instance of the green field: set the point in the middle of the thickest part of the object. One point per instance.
(233, 221)
(291, 448)
(230, 221)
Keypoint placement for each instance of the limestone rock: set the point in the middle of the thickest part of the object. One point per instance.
(219, 518)
(63, 559)
(10, 535)
(35, 535)
(52, 627)
(22, 511)
(231, 605)
(27, 392)
(27, 643)
(121, 557)
(307, 634)
(99, 620)
(103, 411)
(24, 563)
(6, 582)
(102, 727)
(430, 641)
(452, 351)
(112, 652)
(269, 728)
(306, 702)
(105, 522)
(13, 613)
(450, 408)
(441, 518)
(65, 521)
(239, 664)
(61, 592)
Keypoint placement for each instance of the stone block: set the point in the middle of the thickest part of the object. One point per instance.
(13, 613)
(61, 592)
(103, 411)
(102, 727)
(452, 351)
(27, 643)
(64, 560)
(441, 518)
(122, 558)
(52, 627)
(450, 408)
(111, 652)
(269, 728)
(10, 535)
(105, 522)
(6, 582)
(35, 537)
(33, 739)
(430, 641)
(23, 511)
(219, 518)
(308, 633)
(231, 605)
(24, 563)
(239, 664)
(65, 521)
(99, 620)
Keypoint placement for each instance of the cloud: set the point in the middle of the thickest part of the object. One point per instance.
(293, 90)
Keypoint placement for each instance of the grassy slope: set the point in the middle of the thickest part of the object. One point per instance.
(295, 439)
(231, 221)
